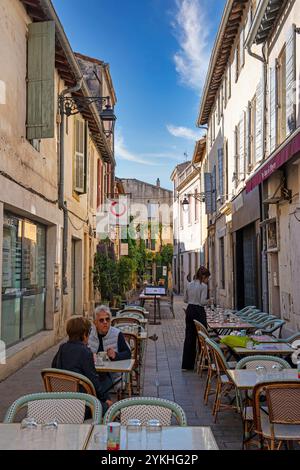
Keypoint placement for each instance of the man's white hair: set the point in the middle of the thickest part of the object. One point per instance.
(102, 308)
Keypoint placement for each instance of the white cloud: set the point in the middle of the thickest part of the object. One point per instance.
(124, 154)
(191, 29)
(184, 132)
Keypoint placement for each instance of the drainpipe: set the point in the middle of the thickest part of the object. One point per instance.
(264, 256)
(61, 188)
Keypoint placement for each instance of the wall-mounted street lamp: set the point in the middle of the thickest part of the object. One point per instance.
(71, 105)
(198, 196)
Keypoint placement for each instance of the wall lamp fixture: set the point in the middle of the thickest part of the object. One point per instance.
(198, 196)
(71, 105)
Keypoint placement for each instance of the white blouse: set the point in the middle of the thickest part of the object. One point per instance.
(196, 293)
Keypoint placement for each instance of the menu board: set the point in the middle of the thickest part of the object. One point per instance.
(150, 290)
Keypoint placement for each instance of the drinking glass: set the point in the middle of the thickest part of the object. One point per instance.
(48, 425)
(277, 371)
(249, 344)
(28, 423)
(261, 373)
(100, 441)
(134, 434)
(153, 435)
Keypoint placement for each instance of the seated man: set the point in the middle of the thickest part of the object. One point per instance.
(76, 356)
(105, 337)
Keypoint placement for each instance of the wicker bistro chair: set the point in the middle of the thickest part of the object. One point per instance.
(63, 407)
(245, 405)
(134, 377)
(145, 408)
(224, 382)
(244, 310)
(130, 314)
(270, 326)
(291, 338)
(133, 308)
(282, 422)
(59, 380)
(125, 320)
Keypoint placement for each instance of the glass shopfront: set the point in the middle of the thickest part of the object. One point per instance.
(23, 279)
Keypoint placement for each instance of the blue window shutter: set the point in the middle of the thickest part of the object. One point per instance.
(208, 192)
(273, 109)
(221, 172)
(214, 189)
(40, 76)
(291, 82)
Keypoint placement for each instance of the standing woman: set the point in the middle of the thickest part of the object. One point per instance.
(196, 298)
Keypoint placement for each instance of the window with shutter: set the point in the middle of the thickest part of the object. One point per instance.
(99, 183)
(235, 176)
(259, 122)
(221, 173)
(40, 80)
(229, 80)
(248, 138)
(79, 157)
(281, 97)
(242, 49)
(241, 159)
(273, 109)
(214, 189)
(237, 61)
(252, 132)
(291, 82)
(208, 193)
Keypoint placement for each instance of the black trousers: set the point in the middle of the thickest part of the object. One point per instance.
(193, 312)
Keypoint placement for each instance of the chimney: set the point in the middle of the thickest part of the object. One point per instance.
(158, 182)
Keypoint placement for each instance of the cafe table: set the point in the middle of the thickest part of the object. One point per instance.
(173, 438)
(64, 437)
(125, 366)
(246, 379)
(279, 349)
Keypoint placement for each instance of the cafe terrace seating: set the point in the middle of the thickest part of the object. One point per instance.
(59, 380)
(63, 407)
(282, 422)
(245, 406)
(145, 408)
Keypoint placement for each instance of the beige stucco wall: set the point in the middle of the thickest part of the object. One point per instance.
(23, 167)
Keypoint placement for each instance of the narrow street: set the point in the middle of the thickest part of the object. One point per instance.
(162, 377)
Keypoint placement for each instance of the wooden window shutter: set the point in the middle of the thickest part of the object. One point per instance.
(248, 139)
(40, 77)
(208, 193)
(242, 48)
(241, 160)
(99, 183)
(214, 189)
(221, 172)
(259, 123)
(79, 157)
(291, 82)
(273, 108)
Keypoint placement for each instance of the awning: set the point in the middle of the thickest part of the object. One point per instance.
(282, 155)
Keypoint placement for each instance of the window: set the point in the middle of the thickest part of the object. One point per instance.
(40, 119)
(281, 97)
(221, 174)
(99, 183)
(222, 262)
(237, 61)
(190, 209)
(236, 157)
(252, 115)
(23, 279)
(229, 81)
(197, 203)
(79, 179)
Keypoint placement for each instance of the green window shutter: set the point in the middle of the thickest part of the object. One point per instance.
(40, 76)
(80, 156)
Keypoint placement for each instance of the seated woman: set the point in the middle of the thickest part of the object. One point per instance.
(76, 356)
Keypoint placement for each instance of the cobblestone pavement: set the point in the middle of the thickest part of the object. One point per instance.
(162, 377)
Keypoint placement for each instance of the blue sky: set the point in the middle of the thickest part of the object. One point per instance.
(158, 51)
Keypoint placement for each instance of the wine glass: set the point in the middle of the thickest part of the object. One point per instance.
(261, 373)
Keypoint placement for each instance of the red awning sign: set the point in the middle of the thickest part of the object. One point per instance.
(275, 162)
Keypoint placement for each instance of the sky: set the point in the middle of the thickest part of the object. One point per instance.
(158, 52)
